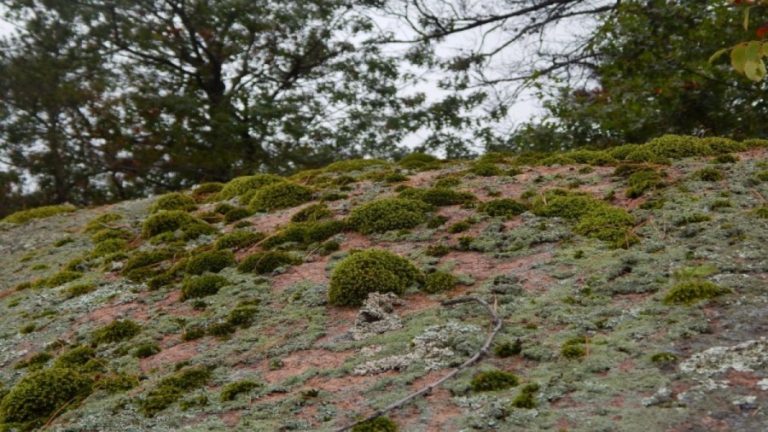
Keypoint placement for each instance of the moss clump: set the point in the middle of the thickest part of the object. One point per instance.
(761, 212)
(267, 262)
(24, 216)
(280, 195)
(721, 146)
(235, 214)
(175, 220)
(438, 197)
(213, 261)
(485, 169)
(447, 182)
(460, 226)
(438, 250)
(192, 333)
(419, 161)
(230, 391)
(439, 281)
(692, 291)
(504, 207)
(574, 348)
(101, 222)
(591, 157)
(173, 201)
(304, 233)
(241, 186)
(63, 277)
(146, 349)
(202, 286)
(172, 388)
(312, 213)
(692, 218)
(205, 190)
(75, 358)
(39, 395)
(238, 239)
(37, 361)
(708, 174)
(79, 289)
(567, 205)
(493, 380)
(147, 258)
(354, 165)
(508, 349)
(379, 424)
(105, 234)
(388, 214)
(116, 383)
(526, 399)
(242, 316)
(610, 224)
(679, 146)
(664, 358)
(367, 271)
(116, 331)
(642, 181)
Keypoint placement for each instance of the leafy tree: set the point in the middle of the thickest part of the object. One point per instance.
(651, 77)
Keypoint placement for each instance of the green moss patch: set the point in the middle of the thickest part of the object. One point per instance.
(388, 214)
(39, 395)
(172, 388)
(439, 281)
(379, 424)
(202, 286)
(367, 271)
(693, 291)
(504, 207)
(173, 201)
(241, 186)
(493, 380)
(642, 181)
(527, 397)
(116, 331)
(312, 213)
(238, 239)
(280, 195)
(267, 262)
(574, 348)
(304, 233)
(24, 216)
(230, 391)
(213, 261)
(438, 197)
(175, 220)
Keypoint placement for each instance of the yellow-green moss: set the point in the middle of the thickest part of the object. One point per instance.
(438, 197)
(761, 212)
(610, 224)
(236, 214)
(35, 362)
(202, 286)
(79, 289)
(508, 349)
(108, 247)
(111, 233)
(175, 220)
(312, 213)
(493, 380)
(63, 277)
(367, 271)
(354, 165)
(485, 169)
(230, 391)
(664, 358)
(39, 395)
(267, 262)
(419, 161)
(212, 261)
(172, 388)
(460, 226)
(720, 145)
(241, 186)
(504, 207)
(642, 181)
(238, 239)
(439, 281)
(527, 397)
(116, 331)
(692, 291)
(304, 233)
(146, 349)
(388, 214)
(75, 358)
(101, 222)
(173, 201)
(574, 348)
(280, 195)
(379, 424)
(591, 157)
(38, 213)
(147, 258)
(708, 174)
(679, 146)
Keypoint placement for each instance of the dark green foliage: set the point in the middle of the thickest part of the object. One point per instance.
(687, 219)
(419, 161)
(526, 398)
(202, 286)
(679, 146)
(63, 277)
(193, 333)
(75, 357)
(493, 380)
(111, 233)
(367, 271)
(708, 174)
(280, 195)
(312, 213)
(204, 190)
(34, 362)
(439, 281)
(485, 169)
(267, 262)
(147, 258)
(238, 239)
(379, 424)
(304, 233)
(721, 146)
(240, 186)
(388, 214)
(574, 348)
(692, 291)
(173, 220)
(438, 197)
(36, 396)
(116, 331)
(559, 203)
(436, 221)
(146, 349)
(213, 261)
(437, 250)
(508, 349)
(762, 212)
(79, 289)
(172, 388)
(24, 216)
(108, 247)
(726, 159)
(223, 329)
(664, 358)
(242, 315)
(504, 207)
(117, 383)
(329, 247)
(173, 201)
(447, 182)
(230, 391)
(235, 214)
(591, 157)
(642, 181)
(460, 226)
(64, 241)
(762, 176)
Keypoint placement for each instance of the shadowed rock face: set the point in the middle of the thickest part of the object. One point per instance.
(604, 343)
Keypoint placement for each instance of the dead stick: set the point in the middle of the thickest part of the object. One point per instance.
(497, 323)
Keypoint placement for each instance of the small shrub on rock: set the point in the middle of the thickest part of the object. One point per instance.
(526, 399)
(213, 261)
(172, 388)
(493, 380)
(439, 281)
(280, 195)
(24, 216)
(438, 197)
(202, 286)
(388, 214)
(379, 424)
(692, 291)
(312, 213)
(37, 396)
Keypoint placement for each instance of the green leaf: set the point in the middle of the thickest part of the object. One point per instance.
(739, 57)
(719, 53)
(765, 49)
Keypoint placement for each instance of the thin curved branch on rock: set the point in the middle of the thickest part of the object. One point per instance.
(497, 323)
